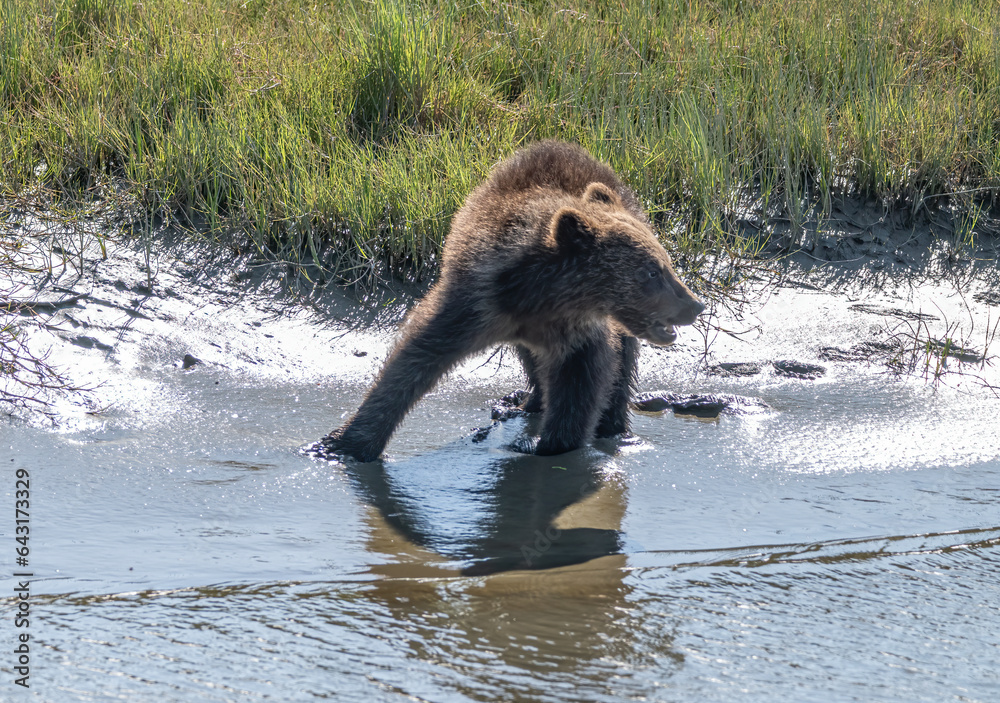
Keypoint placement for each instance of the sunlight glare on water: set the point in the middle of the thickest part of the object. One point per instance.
(841, 544)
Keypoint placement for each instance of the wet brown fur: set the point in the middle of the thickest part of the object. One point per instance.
(553, 255)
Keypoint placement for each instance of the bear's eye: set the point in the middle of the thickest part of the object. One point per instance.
(649, 277)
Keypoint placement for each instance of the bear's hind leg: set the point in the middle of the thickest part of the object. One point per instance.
(534, 402)
(576, 388)
(615, 419)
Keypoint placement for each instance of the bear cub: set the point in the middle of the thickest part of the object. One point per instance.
(553, 255)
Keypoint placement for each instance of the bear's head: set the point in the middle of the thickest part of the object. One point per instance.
(629, 274)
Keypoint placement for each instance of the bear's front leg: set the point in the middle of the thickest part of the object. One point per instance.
(441, 332)
(576, 389)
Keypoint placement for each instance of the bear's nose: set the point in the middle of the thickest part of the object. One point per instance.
(689, 314)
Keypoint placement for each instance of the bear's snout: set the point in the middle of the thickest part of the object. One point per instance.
(689, 312)
(661, 330)
(678, 305)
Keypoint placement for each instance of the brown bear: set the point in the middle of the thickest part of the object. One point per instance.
(553, 255)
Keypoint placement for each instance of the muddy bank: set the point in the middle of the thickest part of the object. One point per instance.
(862, 290)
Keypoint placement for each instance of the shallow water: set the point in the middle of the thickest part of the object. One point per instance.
(841, 545)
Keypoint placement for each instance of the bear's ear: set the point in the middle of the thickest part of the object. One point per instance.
(569, 229)
(598, 192)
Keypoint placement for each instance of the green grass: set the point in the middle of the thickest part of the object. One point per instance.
(348, 133)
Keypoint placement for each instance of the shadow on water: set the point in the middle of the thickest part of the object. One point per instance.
(497, 510)
(547, 533)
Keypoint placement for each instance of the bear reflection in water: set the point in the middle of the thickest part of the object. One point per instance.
(518, 512)
(552, 254)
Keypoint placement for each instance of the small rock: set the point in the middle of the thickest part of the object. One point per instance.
(741, 368)
(515, 398)
(654, 402)
(506, 412)
(872, 347)
(700, 405)
(479, 434)
(797, 369)
(90, 343)
(707, 407)
(189, 361)
(865, 351)
(359, 353)
(510, 406)
(838, 354)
